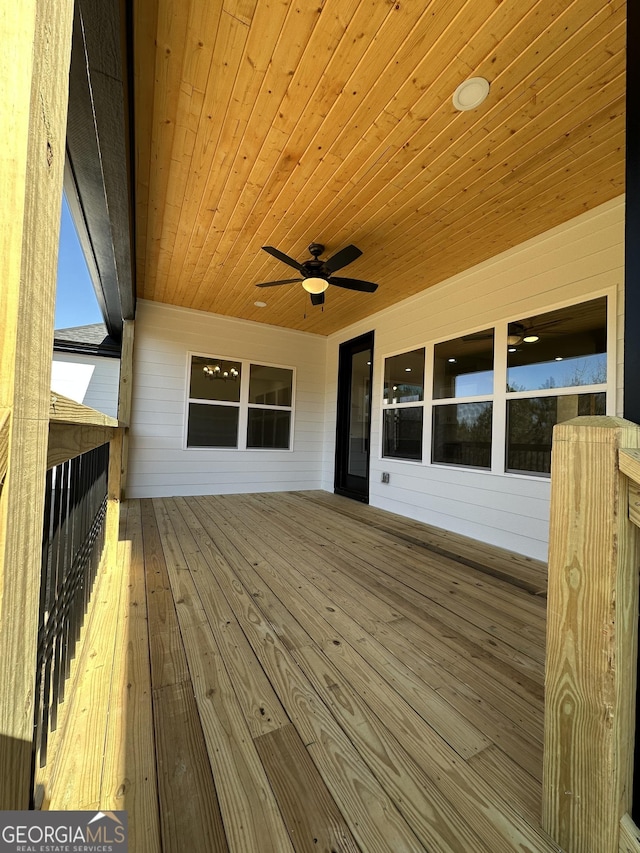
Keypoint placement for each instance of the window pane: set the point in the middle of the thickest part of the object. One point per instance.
(402, 433)
(212, 426)
(462, 434)
(268, 428)
(530, 424)
(359, 411)
(270, 386)
(404, 377)
(569, 348)
(208, 380)
(464, 367)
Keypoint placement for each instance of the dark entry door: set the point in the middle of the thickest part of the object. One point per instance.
(353, 428)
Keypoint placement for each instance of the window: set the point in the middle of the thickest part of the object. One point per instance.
(241, 405)
(403, 405)
(462, 427)
(495, 395)
(553, 354)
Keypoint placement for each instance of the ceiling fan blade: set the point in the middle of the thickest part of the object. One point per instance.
(342, 258)
(478, 336)
(274, 283)
(282, 257)
(317, 298)
(354, 284)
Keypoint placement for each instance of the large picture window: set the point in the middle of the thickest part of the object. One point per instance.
(241, 405)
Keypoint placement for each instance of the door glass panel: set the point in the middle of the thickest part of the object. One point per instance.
(358, 457)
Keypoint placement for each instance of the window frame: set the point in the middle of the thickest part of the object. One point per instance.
(243, 405)
(500, 395)
(436, 402)
(412, 404)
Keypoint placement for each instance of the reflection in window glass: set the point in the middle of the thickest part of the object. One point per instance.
(404, 377)
(464, 367)
(215, 379)
(402, 433)
(270, 386)
(268, 428)
(568, 348)
(462, 434)
(359, 414)
(212, 426)
(530, 425)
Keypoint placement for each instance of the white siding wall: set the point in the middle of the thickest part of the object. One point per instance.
(91, 380)
(158, 464)
(581, 259)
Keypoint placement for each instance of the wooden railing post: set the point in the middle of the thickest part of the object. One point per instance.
(119, 446)
(34, 70)
(591, 637)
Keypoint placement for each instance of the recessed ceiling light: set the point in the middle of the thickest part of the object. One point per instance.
(471, 93)
(531, 339)
(260, 304)
(558, 358)
(512, 349)
(452, 361)
(407, 370)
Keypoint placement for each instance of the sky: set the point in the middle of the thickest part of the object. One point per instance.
(76, 303)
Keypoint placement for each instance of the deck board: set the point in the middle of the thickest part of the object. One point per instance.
(327, 678)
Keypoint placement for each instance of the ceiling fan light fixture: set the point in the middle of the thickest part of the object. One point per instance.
(514, 340)
(471, 93)
(531, 339)
(315, 285)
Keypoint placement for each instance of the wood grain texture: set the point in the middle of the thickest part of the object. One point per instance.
(166, 649)
(281, 125)
(313, 820)
(634, 502)
(629, 836)
(298, 694)
(5, 420)
(129, 771)
(125, 394)
(629, 461)
(64, 410)
(324, 634)
(67, 440)
(591, 637)
(189, 811)
(34, 71)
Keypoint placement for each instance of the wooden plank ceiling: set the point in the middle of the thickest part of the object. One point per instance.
(279, 122)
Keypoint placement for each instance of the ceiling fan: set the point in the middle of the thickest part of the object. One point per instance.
(317, 275)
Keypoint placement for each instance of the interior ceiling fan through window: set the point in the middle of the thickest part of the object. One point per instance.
(317, 275)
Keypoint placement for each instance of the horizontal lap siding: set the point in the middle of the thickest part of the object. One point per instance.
(158, 465)
(572, 262)
(91, 380)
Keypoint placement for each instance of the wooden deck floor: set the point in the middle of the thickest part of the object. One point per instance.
(322, 677)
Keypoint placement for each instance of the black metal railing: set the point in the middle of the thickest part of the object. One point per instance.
(72, 544)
